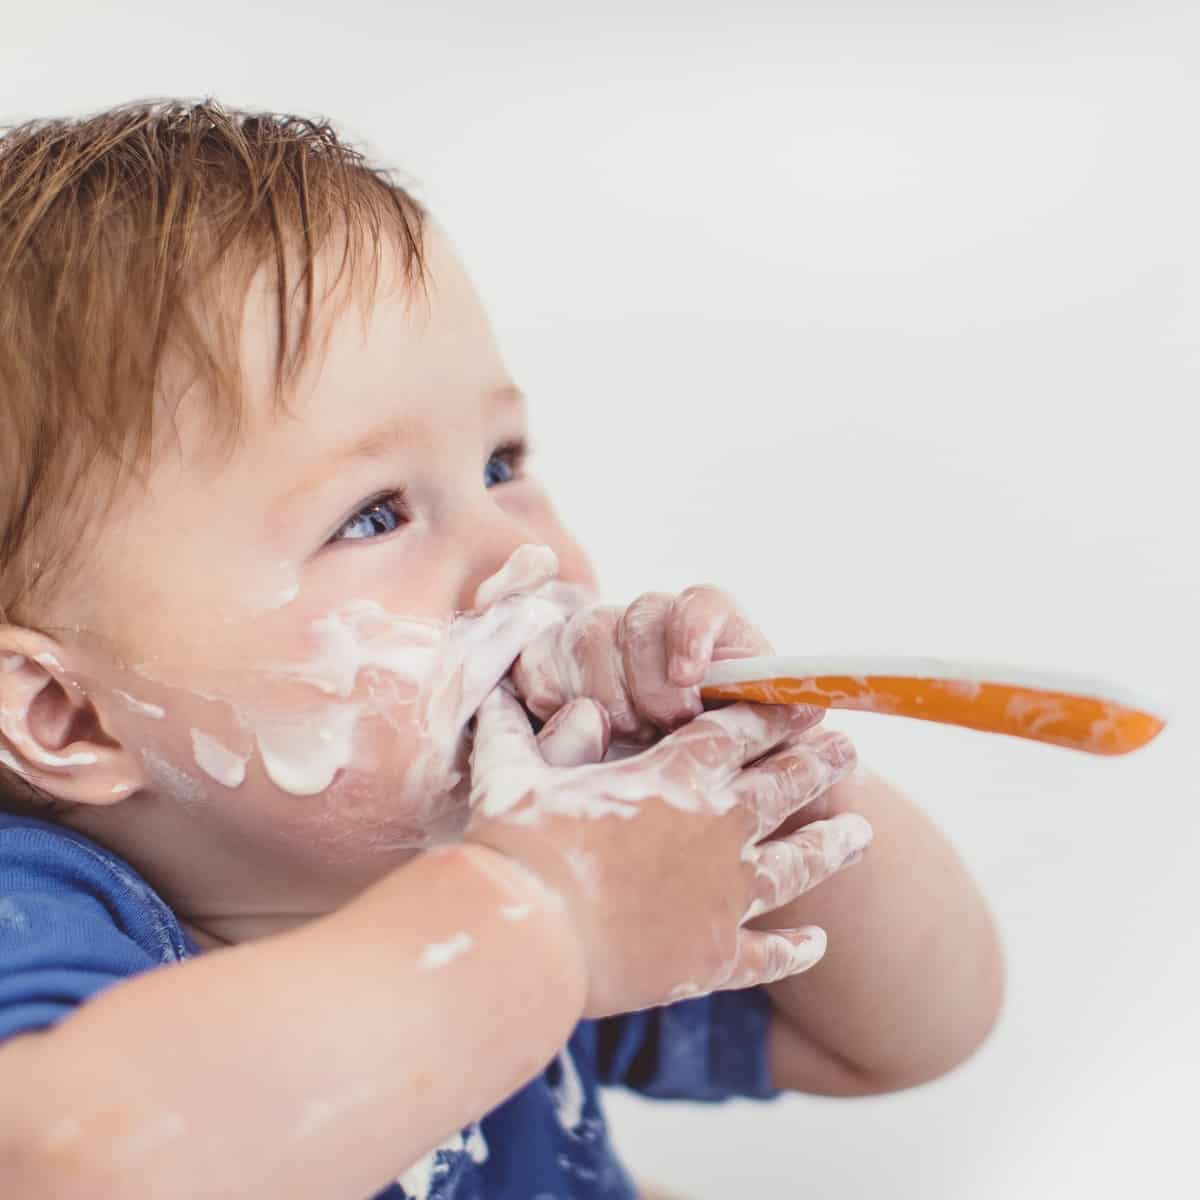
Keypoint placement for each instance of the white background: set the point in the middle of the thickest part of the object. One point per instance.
(885, 317)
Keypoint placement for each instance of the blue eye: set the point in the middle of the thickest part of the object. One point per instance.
(504, 464)
(372, 520)
(385, 514)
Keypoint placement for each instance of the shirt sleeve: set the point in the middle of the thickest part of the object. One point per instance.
(708, 1049)
(63, 936)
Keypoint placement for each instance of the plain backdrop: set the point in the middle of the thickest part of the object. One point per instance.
(884, 317)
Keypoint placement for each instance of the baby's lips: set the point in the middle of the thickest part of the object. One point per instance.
(505, 632)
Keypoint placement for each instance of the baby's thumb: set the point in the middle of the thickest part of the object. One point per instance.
(578, 734)
(503, 734)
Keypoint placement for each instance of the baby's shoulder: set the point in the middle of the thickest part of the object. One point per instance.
(37, 855)
(74, 917)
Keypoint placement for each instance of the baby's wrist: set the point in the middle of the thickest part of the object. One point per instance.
(525, 897)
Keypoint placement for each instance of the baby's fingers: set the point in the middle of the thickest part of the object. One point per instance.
(790, 866)
(502, 754)
(705, 624)
(793, 777)
(502, 731)
(642, 634)
(769, 957)
(723, 741)
(578, 734)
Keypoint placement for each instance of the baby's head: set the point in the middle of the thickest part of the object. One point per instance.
(258, 454)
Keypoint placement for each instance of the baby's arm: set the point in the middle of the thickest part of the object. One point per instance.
(914, 976)
(322, 1062)
(912, 981)
(312, 1064)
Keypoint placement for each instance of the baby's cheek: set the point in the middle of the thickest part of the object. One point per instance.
(370, 813)
(357, 829)
(410, 774)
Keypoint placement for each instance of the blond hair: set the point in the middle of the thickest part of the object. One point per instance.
(129, 238)
(118, 233)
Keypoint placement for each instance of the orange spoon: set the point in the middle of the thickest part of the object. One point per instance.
(1064, 710)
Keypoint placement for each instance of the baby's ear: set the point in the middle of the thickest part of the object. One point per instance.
(50, 732)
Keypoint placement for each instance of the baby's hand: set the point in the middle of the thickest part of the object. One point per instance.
(643, 664)
(659, 859)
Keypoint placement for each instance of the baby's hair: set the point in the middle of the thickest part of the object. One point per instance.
(129, 240)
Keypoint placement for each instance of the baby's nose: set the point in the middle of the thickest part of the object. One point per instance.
(502, 557)
(527, 568)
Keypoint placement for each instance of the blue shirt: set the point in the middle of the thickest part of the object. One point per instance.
(75, 918)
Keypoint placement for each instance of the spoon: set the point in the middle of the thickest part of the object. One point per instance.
(1045, 706)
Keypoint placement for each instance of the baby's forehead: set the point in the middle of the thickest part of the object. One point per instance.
(270, 339)
(387, 362)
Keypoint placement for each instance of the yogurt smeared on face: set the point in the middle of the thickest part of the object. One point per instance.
(372, 722)
(430, 674)
(217, 760)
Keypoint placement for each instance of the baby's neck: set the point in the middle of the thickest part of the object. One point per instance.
(216, 933)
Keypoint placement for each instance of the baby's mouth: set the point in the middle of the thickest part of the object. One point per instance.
(492, 640)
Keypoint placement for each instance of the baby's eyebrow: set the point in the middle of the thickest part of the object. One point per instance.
(379, 440)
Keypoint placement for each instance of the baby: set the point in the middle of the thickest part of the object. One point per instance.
(305, 694)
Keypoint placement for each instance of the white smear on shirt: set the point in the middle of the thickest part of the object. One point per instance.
(475, 1145)
(11, 917)
(141, 707)
(516, 912)
(214, 759)
(418, 1180)
(569, 1095)
(438, 954)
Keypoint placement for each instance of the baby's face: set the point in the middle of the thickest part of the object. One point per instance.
(307, 614)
